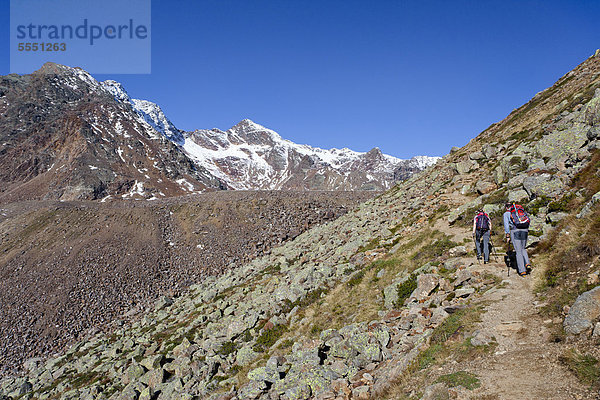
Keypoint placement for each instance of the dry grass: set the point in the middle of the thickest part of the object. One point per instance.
(572, 257)
(450, 341)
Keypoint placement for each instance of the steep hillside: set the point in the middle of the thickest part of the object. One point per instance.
(388, 301)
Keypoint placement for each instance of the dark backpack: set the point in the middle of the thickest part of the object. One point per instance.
(482, 222)
(519, 217)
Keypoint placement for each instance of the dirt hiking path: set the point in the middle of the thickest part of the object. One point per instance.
(525, 364)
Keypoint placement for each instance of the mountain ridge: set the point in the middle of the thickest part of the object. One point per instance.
(235, 156)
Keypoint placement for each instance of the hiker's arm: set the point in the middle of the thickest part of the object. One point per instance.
(474, 224)
(506, 217)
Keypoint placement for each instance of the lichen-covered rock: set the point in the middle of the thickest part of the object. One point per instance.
(464, 292)
(155, 377)
(488, 150)
(499, 175)
(316, 377)
(554, 217)
(252, 390)
(458, 251)
(266, 374)
(153, 361)
(462, 276)
(464, 167)
(485, 187)
(367, 345)
(476, 155)
(543, 185)
(517, 196)
(163, 302)
(560, 144)
(133, 372)
(587, 209)
(492, 208)
(584, 312)
(457, 213)
(246, 355)
(426, 283)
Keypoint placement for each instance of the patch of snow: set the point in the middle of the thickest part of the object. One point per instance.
(185, 184)
(137, 188)
(120, 152)
(151, 114)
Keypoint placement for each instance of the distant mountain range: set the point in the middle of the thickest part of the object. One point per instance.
(64, 135)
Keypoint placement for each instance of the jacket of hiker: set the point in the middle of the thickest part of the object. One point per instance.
(508, 224)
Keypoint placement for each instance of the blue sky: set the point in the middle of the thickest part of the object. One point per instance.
(410, 77)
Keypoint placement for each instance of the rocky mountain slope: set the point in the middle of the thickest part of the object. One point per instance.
(64, 135)
(68, 267)
(388, 301)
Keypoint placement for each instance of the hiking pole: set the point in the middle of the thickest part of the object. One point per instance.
(507, 255)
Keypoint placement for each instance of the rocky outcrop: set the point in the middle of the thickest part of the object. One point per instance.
(584, 313)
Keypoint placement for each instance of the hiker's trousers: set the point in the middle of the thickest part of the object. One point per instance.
(519, 241)
(483, 236)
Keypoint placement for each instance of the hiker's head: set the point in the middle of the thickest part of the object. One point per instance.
(508, 206)
(480, 211)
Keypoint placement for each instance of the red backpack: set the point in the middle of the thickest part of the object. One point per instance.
(519, 217)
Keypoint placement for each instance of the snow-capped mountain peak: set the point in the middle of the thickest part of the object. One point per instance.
(250, 156)
(149, 111)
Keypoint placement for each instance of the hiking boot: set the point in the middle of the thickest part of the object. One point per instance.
(523, 273)
(528, 266)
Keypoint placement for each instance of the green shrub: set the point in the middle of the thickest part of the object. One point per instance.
(460, 378)
(405, 289)
(356, 279)
(534, 206)
(450, 325)
(268, 337)
(369, 246)
(427, 357)
(561, 205)
(227, 348)
(434, 249)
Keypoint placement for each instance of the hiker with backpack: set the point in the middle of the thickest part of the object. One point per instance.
(482, 225)
(516, 227)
